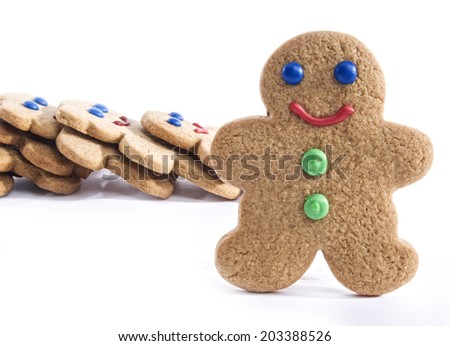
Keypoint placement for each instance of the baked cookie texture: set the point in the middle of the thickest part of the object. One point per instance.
(40, 152)
(327, 165)
(13, 161)
(96, 155)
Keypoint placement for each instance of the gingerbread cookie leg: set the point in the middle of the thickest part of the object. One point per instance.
(6, 184)
(384, 267)
(262, 256)
(367, 256)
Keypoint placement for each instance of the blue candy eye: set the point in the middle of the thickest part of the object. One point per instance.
(174, 121)
(31, 105)
(292, 73)
(41, 101)
(103, 108)
(97, 112)
(346, 72)
(176, 115)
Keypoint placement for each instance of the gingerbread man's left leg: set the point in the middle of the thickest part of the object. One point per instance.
(367, 256)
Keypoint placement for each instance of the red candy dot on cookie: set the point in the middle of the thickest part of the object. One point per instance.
(200, 129)
(122, 122)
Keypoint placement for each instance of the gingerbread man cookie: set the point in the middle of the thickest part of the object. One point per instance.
(327, 165)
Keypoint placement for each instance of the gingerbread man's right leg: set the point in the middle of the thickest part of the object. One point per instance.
(266, 252)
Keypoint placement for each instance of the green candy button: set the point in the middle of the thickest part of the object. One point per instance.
(314, 162)
(316, 206)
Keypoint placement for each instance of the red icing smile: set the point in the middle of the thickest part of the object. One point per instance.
(343, 113)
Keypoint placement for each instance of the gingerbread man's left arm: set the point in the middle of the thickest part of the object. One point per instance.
(410, 154)
(239, 145)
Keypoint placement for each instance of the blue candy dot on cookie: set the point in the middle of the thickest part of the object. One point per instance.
(292, 73)
(345, 72)
(103, 108)
(96, 111)
(176, 115)
(174, 121)
(40, 101)
(31, 105)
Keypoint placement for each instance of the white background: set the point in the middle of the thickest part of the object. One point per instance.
(77, 270)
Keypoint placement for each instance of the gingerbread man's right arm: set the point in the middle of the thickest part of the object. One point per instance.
(237, 149)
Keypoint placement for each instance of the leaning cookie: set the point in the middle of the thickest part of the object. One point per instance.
(12, 161)
(96, 155)
(174, 129)
(40, 152)
(196, 140)
(107, 125)
(6, 184)
(29, 113)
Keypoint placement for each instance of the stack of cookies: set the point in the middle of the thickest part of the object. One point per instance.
(27, 146)
(56, 147)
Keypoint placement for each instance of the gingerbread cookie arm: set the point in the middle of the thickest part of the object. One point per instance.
(410, 154)
(238, 147)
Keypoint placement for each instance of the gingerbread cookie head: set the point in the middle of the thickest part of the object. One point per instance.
(178, 131)
(28, 112)
(324, 78)
(93, 119)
